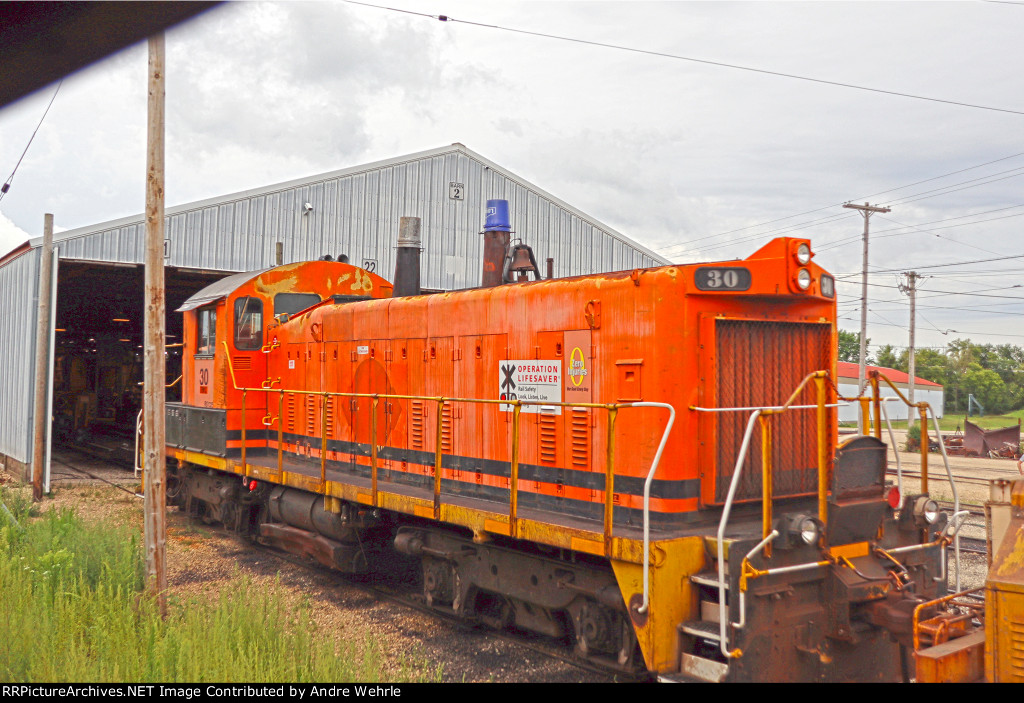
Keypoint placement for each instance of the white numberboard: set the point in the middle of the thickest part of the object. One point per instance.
(535, 380)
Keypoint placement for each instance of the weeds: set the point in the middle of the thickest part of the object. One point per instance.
(73, 610)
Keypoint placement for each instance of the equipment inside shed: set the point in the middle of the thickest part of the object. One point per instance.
(97, 357)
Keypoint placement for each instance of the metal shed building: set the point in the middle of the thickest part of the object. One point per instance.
(924, 391)
(354, 211)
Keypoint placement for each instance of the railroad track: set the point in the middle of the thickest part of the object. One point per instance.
(405, 596)
(74, 467)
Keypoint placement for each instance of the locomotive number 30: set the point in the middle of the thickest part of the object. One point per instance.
(718, 278)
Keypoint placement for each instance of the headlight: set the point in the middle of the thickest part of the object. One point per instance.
(803, 279)
(798, 530)
(809, 530)
(803, 254)
(926, 510)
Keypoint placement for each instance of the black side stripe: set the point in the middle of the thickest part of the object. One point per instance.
(589, 510)
(629, 485)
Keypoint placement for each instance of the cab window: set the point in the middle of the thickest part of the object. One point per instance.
(206, 337)
(248, 323)
(291, 303)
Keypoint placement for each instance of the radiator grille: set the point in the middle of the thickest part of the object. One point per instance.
(761, 364)
(1016, 662)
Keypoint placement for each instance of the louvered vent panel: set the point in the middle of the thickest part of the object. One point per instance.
(580, 433)
(329, 415)
(289, 412)
(311, 428)
(1016, 625)
(242, 363)
(416, 424)
(447, 428)
(548, 439)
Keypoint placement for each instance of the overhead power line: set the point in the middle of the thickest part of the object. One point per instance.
(957, 263)
(7, 184)
(834, 205)
(678, 57)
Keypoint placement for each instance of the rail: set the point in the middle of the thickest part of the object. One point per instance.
(516, 405)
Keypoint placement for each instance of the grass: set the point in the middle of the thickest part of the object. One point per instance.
(951, 421)
(73, 610)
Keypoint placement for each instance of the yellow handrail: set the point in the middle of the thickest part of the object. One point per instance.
(516, 406)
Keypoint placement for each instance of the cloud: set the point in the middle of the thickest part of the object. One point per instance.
(11, 235)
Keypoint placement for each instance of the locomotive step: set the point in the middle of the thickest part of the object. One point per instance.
(703, 629)
(698, 668)
(709, 578)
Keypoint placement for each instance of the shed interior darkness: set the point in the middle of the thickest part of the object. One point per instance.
(98, 360)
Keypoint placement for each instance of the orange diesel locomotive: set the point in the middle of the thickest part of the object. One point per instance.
(603, 459)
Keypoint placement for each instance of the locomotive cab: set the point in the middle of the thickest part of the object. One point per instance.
(229, 329)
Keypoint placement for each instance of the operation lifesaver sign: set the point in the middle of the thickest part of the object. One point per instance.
(534, 380)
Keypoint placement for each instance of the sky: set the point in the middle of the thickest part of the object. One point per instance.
(671, 143)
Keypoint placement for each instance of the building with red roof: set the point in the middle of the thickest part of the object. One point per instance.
(924, 390)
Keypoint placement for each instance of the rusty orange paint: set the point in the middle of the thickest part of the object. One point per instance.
(959, 660)
(656, 342)
(654, 337)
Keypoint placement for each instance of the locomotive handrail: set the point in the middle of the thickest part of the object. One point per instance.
(892, 442)
(516, 408)
(923, 408)
(647, 491)
(974, 611)
(819, 377)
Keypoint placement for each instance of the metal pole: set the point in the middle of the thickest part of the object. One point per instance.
(40, 419)
(154, 359)
(49, 370)
(910, 288)
(865, 210)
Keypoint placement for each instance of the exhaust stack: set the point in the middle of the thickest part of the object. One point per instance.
(407, 259)
(497, 235)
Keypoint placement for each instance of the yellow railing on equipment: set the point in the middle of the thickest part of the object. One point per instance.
(612, 409)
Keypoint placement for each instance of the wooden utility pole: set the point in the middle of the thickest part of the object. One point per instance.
(40, 416)
(865, 210)
(910, 288)
(154, 358)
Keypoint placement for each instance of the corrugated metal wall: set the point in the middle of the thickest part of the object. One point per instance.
(356, 212)
(19, 294)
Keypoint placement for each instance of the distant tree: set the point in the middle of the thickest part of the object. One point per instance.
(993, 373)
(887, 357)
(987, 387)
(929, 365)
(849, 347)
